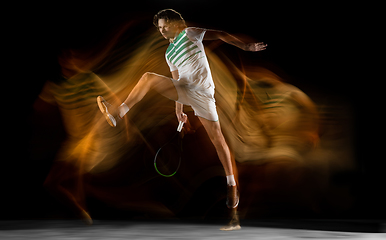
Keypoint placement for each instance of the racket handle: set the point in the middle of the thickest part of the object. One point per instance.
(180, 125)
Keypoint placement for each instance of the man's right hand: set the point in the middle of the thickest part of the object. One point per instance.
(187, 128)
(182, 117)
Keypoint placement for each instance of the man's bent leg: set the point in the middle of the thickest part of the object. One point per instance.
(163, 85)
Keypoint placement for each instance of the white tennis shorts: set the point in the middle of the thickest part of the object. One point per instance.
(201, 100)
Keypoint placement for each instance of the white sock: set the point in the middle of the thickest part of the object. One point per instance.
(231, 180)
(123, 109)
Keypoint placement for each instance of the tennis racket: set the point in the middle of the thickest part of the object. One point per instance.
(167, 160)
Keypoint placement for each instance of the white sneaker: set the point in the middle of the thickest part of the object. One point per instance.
(103, 106)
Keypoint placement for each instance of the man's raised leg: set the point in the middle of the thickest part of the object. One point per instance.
(163, 85)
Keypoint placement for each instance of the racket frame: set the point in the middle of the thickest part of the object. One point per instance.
(179, 129)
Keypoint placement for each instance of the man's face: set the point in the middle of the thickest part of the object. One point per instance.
(167, 29)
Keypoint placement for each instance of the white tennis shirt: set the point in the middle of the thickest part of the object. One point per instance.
(187, 55)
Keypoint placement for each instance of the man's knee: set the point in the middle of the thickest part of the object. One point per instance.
(147, 76)
(148, 79)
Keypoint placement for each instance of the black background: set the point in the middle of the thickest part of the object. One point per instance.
(314, 45)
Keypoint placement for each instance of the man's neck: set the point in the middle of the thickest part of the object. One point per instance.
(171, 40)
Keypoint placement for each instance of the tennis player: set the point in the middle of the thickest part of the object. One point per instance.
(191, 83)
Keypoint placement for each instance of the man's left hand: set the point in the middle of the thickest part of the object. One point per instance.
(255, 47)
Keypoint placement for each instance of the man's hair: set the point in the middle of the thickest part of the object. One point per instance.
(169, 15)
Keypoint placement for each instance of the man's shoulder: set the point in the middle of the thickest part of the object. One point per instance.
(195, 33)
(194, 29)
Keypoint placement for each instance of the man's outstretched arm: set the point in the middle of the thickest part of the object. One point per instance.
(230, 39)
